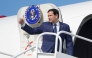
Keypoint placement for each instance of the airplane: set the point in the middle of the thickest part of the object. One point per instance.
(13, 40)
(2, 16)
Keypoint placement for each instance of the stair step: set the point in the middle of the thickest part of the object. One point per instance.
(46, 55)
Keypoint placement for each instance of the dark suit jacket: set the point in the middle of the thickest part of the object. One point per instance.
(48, 44)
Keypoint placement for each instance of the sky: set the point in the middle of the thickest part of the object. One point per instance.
(11, 7)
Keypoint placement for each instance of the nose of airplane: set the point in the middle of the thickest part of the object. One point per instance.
(2, 16)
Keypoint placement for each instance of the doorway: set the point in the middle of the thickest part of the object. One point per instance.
(83, 49)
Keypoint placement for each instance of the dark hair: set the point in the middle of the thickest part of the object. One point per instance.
(55, 11)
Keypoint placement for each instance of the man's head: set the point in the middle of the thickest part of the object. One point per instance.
(53, 15)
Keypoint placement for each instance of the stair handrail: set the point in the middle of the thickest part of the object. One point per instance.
(50, 33)
(23, 52)
(58, 33)
(6, 54)
(33, 46)
(37, 44)
(65, 32)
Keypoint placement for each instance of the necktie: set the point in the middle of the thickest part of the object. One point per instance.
(55, 29)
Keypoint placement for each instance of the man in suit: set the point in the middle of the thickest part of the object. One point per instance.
(48, 44)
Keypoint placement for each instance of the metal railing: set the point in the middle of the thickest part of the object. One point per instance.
(6, 54)
(68, 33)
(56, 42)
(34, 46)
(50, 33)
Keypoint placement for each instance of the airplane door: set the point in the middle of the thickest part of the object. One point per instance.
(83, 49)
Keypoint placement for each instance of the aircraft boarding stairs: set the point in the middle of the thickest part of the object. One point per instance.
(50, 55)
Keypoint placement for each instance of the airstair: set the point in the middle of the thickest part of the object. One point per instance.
(57, 54)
